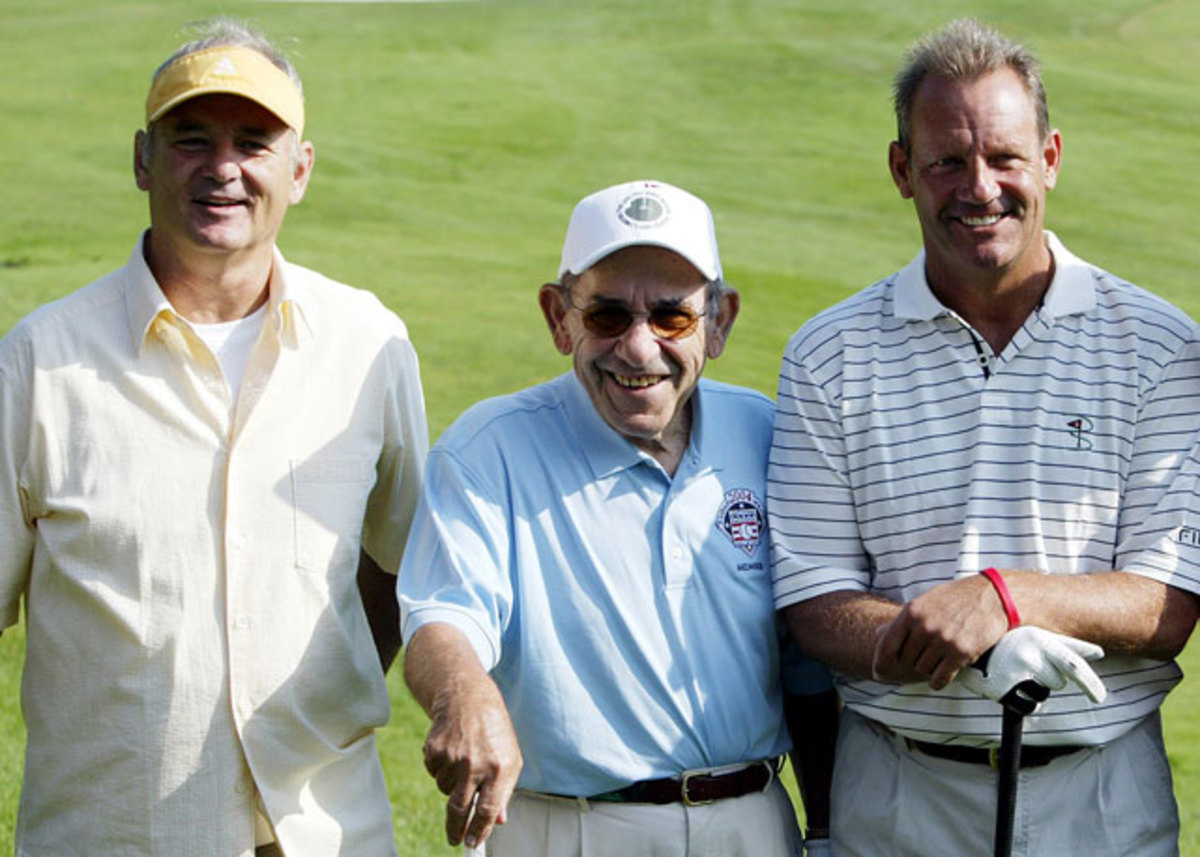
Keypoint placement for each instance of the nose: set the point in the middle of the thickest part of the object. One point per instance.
(979, 184)
(223, 162)
(638, 345)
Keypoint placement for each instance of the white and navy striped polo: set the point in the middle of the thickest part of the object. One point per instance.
(907, 454)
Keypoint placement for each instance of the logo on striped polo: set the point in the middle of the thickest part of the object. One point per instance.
(1189, 536)
(741, 518)
(1080, 429)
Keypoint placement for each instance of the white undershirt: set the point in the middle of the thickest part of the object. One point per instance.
(232, 342)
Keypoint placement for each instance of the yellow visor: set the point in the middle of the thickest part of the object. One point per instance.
(228, 69)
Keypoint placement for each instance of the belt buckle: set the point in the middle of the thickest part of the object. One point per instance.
(994, 758)
(683, 789)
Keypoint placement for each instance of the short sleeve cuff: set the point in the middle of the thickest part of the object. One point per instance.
(486, 649)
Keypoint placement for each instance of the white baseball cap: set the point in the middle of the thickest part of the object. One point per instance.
(641, 213)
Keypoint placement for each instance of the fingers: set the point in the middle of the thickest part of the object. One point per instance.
(458, 813)
(475, 807)
(939, 632)
(904, 651)
(1051, 659)
(477, 800)
(490, 809)
(931, 639)
(1072, 668)
(1087, 651)
(887, 650)
(474, 757)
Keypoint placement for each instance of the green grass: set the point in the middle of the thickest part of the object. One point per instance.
(453, 139)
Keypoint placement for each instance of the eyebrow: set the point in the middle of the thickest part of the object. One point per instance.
(665, 302)
(190, 126)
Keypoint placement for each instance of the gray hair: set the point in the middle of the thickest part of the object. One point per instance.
(226, 31)
(964, 50)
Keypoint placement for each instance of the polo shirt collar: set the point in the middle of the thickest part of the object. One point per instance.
(145, 302)
(1072, 291)
(287, 301)
(606, 450)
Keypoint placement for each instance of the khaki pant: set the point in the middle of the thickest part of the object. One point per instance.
(755, 825)
(893, 801)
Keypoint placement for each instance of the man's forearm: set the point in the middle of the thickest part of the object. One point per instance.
(471, 749)
(1125, 614)
(840, 629)
(440, 663)
(954, 623)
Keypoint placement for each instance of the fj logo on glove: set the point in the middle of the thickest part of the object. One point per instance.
(741, 518)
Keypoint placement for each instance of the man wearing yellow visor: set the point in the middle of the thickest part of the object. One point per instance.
(207, 460)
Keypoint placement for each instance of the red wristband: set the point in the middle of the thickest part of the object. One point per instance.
(1010, 606)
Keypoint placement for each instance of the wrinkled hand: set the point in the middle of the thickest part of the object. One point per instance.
(940, 632)
(471, 750)
(1028, 652)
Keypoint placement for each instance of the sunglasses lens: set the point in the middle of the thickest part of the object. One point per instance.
(607, 321)
(673, 322)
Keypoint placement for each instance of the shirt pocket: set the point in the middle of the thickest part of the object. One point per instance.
(329, 500)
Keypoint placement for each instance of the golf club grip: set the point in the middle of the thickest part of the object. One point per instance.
(1009, 766)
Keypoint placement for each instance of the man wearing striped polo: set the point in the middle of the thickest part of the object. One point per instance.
(996, 437)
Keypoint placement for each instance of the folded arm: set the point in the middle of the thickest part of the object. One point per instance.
(936, 634)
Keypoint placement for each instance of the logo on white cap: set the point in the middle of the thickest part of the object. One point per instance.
(640, 213)
(644, 210)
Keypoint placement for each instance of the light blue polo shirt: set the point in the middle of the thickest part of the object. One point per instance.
(626, 616)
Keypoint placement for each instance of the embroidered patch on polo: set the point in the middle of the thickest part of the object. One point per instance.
(1080, 429)
(741, 518)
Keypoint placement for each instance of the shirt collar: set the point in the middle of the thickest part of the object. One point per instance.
(1072, 291)
(145, 303)
(605, 449)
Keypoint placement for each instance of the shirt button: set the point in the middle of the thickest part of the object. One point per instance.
(677, 552)
(238, 542)
(243, 786)
(242, 623)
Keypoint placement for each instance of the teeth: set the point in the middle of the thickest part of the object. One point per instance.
(985, 220)
(637, 383)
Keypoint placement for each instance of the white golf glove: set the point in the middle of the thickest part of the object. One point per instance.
(817, 848)
(1027, 652)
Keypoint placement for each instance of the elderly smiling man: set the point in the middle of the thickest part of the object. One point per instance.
(598, 544)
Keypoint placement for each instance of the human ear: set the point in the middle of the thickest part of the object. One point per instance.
(553, 302)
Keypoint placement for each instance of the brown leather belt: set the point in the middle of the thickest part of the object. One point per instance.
(696, 788)
(1032, 756)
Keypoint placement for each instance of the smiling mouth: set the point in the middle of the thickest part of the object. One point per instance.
(636, 382)
(981, 220)
(209, 202)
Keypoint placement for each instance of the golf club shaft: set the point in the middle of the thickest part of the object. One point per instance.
(1009, 767)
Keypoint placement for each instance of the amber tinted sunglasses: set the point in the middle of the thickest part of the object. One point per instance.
(667, 321)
